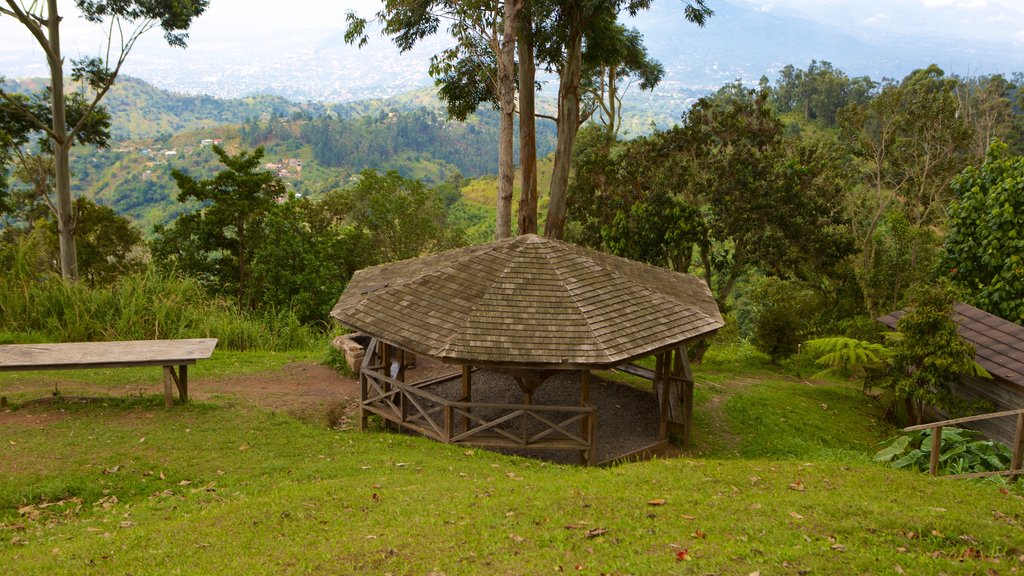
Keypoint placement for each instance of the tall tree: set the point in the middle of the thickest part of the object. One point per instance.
(911, 140)
(573, 20)
(126, 20)
(477, 26)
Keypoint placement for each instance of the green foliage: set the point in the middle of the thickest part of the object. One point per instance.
(782, 311)
(139, 306)
(902, 255)
(213, 243)
(984, 248)
(928, 355)
(399, 217)
(961, 452)
(819, 92)
(847, 356)
(303, 259)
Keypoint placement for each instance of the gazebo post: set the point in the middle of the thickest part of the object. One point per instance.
(661, 388)
(467, 392)
(586, 456)
(687, 393)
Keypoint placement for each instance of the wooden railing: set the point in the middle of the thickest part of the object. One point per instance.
(1017, 448)
(471, 423)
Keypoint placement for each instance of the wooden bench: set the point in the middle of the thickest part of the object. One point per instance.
(123, 354)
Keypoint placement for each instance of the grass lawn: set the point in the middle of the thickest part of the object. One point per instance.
(780, 482)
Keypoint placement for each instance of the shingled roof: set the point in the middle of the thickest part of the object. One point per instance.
(528, 301)
(998, 343)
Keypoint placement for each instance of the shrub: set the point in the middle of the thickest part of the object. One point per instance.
(962, 452)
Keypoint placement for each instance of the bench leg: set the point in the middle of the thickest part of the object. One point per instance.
(168, 376)
(183, 383)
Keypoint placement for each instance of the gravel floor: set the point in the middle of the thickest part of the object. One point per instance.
(627, 418)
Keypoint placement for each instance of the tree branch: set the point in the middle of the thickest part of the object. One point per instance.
(27, 113)
(33, 26)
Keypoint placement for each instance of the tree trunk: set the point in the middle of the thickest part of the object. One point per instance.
(527, 125)
(506, 101)
(61, 151)
(568, 125)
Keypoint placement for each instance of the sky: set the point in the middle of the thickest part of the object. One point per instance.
(236, 36)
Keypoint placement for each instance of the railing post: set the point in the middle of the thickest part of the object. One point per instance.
(362, 401)
(1018, 447)
(448, 418)
(933, 466)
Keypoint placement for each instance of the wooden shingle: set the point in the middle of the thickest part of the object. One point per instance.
(528, 301)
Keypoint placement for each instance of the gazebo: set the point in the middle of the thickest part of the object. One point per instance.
(531, 308)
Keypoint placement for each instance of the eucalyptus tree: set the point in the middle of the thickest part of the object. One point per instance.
(574, 20)
(484, 31)
(124, 22)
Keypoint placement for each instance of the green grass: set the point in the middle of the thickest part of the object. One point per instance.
(223, 488)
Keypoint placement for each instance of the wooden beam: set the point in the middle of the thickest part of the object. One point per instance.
(687, 395)
(1018, 446)
(168, 377)
(183, 383)
(661, 383)
(933, 465)
(956, 421)
(585, 456)
(467, 392)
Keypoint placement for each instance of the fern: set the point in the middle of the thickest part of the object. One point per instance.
(847, 356)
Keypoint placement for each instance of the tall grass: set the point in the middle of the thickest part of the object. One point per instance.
(140, 306)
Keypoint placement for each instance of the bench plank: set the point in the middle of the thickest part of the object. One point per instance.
(84, 355)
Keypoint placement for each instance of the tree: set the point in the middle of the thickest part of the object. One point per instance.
(478, 26)
(911, 141)
(983, 251)
(130, 19)
(109, 245)
(213, 243)
(400, 217)
(928, 354)
(725, 189)
(573, 21)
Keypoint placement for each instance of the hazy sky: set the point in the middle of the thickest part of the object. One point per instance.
(240, 32)
(1000, 20)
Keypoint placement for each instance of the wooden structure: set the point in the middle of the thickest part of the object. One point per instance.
(999, 348)
(1017, 447)
(174, 355)
(528, 307)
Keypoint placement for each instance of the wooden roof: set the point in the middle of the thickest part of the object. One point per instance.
(998, 343)
(528, 301)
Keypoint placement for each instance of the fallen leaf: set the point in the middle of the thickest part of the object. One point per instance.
(516, 537)
(686, 517)
(798, 486)
(898, 569)
(683, 555)
(578, 566)
(901, 549)
(243, 447)
(656, 502)
(595, 532)
(375, 497)
(838, 547)
(184, 483)
(698, 533)
(573, 526)
(143, 439)
(795, 515)
(754, 480)
(755, 573)
(112, 470)
(126, 524)
(162, 477)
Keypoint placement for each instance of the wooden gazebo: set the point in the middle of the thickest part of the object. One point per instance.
(529, 307)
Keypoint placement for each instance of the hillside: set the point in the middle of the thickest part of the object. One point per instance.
(315, 148)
